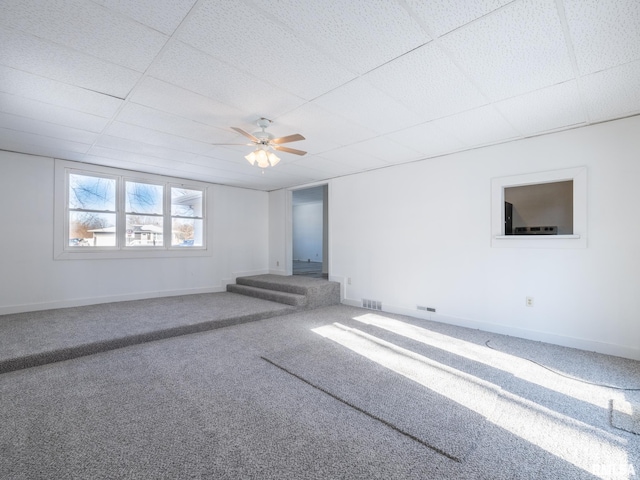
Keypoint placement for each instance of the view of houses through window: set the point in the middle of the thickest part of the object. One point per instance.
(114, 212)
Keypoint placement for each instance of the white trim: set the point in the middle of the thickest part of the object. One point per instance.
(579, 237)
(62, 251)
(81, 302)
(527, 334)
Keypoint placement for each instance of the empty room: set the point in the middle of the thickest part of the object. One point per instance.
(320, 239)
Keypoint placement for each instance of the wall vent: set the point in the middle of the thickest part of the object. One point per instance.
(371, 304)
(427, 309)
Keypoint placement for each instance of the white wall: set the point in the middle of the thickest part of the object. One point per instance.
(31, 279)
(420, 234)
(307, 232)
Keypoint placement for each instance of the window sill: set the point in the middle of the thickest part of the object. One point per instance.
(536, 237)
(130, 253)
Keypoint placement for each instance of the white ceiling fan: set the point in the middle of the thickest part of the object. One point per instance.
(264, 141)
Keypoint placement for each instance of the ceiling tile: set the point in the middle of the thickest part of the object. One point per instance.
(369, 107)
(428, 139)
(442, 16)
(46, 129)
(270, 52)
(387, 150)
(612, 93)
(31, 54)
(330, 168)
(354, 158)
(361, 35)
(605, 33)
(39, 88)
(428, 82)
(11, 136)
(517, 49)
(172, 124)
(185, 103)
(162, 15)
(193, 70)
(544, 110)
(155, 137)
(482, 126)
(40, 150)
(86, 27)
(50, 113)
(326, 130)
(131, 146)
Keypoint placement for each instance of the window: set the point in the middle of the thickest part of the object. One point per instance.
(540, 210)
(106, 213)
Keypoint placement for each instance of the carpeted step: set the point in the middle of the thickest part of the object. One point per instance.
(319, 292)
(297, 300)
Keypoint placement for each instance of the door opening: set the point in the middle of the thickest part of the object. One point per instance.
(310, 232)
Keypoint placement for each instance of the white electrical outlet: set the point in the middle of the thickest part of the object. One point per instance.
(278, 263)
(348, 280)
(529, 301)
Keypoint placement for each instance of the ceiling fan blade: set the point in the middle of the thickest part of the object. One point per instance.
(289, 150)
(246, 134)
(296, 137)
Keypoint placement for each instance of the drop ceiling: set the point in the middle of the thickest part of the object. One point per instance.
(153, 85)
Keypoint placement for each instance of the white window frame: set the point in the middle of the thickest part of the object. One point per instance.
(579, 237)
(62, 249)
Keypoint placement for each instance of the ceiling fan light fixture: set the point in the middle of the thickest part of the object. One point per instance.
(251, 158)
(273, 159)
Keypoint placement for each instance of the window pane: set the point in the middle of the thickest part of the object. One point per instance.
(88, 229)
(92, 193)
(186, 232)
(186, 203)
(144, 198)
(143, 231)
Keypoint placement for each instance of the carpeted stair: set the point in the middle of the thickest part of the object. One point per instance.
(299, 291)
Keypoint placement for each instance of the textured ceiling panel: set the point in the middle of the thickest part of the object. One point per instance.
(544, 110)
(361, 35)
(442, 16)
(35, 87)
(613, 93)
(269, 52)
(428, 82)
(86, 27)
(164, 122)
(50, 113)
(33, 139)
(481, 126)
(184, 103)
(369, 107)
(329, 130)
(189, 68)
(162, 15)
(387, 150)
(605, 33)
(154, 137)
(354, 158)
(518, 49)
(367, 83)
(427, 138)
(125, 145)
(46, 129)
(31, 54)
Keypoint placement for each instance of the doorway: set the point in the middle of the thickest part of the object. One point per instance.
(310, 232)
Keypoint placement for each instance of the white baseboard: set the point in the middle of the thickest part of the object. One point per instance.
(547, 337)
(80, 302)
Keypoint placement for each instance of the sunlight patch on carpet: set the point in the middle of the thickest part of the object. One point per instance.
(626, 416)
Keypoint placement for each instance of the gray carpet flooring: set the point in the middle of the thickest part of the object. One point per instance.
(207, 405)
(41, 337)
